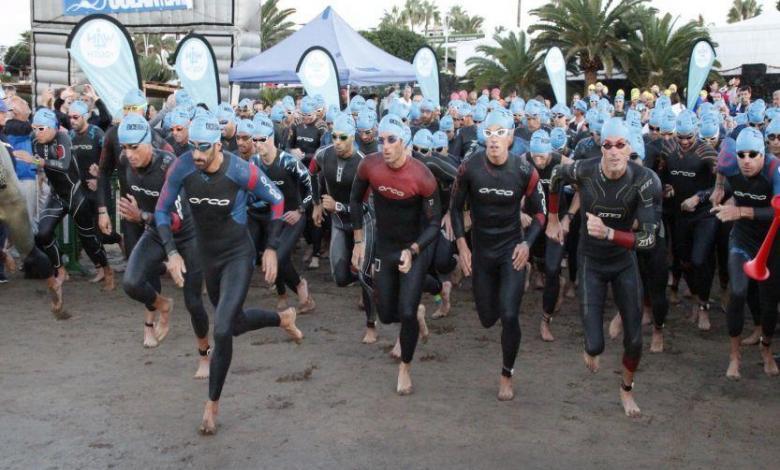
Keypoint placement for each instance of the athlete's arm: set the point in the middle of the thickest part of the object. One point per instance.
(535, 207)
(431, 211)
(253, 180)
(106, 166)
(644, 238)
(460, 190)
(63, 162)
(304, 179)
(356, 197)
(166, 203)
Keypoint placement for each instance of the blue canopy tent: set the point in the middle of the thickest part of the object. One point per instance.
(359, 62)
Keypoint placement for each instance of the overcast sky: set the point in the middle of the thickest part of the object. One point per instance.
(363, 14)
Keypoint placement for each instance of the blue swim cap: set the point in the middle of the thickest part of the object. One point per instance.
(750, 140)
(319, 101)
(407, 137)
(465, 109)
(344, 124)
(633, 118)
(540, 142)
(637, 143)
(581, 106)
(414, 111)
(400, 109)
(620, 98)
(288, 101)
(246, 103)
(596, 120)
(494, 105)
(772, 113)
(423, 139)
(500, 118)
(79, 107)
(603, 105)
(709, 127)
(663, 101)
(393, 125)
(205, 128)
(371, 104)
(440, 140)
(483, 99)
(593, 98)
(533, 108)
(308, 105)
(773, 127)
(561, 108)
(656, 115)
(481, 134)
(263, 127)
(685, 123)
(517, 106)
(225, 113)
(614, 128)
(277, 113)
(365, 120)
(45, 117)
(741, 119)
(755, 112)
(558, 138)
(704, 108)
(134, 98)
(446, 123)
(182, 97)
(480, 113)
(333, 111)
(245, 126)
(427, 105)
(180, 116)
(134, 130)
(668, 120)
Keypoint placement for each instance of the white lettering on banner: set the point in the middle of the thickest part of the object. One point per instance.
(194, 58)
(209, 201)
(148, 192)
(84, 7)
(424, 62)
(755, 197)
(99, 42)
(498, 192)
(387, 189)
(317, 68)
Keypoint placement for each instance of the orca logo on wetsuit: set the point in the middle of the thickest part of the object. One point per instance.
(209, 201)
(755, 197)
(497, 192)
(305, 139)
(279, 183)
(387, 189)
(148, 192)
(547, 182)
(689, 174)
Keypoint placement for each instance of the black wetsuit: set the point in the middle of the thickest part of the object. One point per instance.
(464, 139)
(406, 201)
(141, 280)
(602, 263)
(177, 148)
(67, 197)
(218, 202)
(653, 265)
(307, 138)
(495, 194)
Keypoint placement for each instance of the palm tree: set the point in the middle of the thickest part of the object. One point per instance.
(743, 10)
(461, 23)
(509, 65)
(392, 19)
(663, 50)
(412, 13)
(585, 30)
(430, 15)
(274, 23)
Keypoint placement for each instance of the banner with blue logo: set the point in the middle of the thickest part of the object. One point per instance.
(196, 67)
(426, 68)
(319, 76)
(104, 51)
(556, 72)
(702, 58)
(88, 7)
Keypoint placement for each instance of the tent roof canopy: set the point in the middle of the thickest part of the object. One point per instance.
(359, 62)
(751, 41)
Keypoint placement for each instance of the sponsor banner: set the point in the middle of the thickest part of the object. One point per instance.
(89, 7)
(556, 72)
(319, 76)
(196, 67)
(702, 58)
(426, 67)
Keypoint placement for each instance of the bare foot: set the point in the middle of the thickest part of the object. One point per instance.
(165, 306)
(674, 297)
(724, 298)
(571, 290)
(505, 390)
(204, 363)
(561, 291)
(444, 308)
(770, 365)
(704, 320)
(55, 292)
(754, 337)
(150, 340)
(208, 427)
(404, 386)
(109, 283)
(9, 262)
(629, 405)
(615, 326)
(591, 362)
(424, 333)
(287, 323)
(370, 336)
(99, 276)
(281, 302)
(395, 353)
(307, 306)
(733, 371)
(307, 303)
(647, 317)
(657, 341)
(544, 329)
(360, 304)
(539, 281)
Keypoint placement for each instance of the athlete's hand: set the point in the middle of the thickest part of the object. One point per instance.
(668, 191)
(689, 205)
(296, 153)
(726, 213)
(93, 170)
(520, 256)
(406, 261)
(316, 216)
(328, 203)
(128, 209)
(446, 222)
(717, 195)
(176, 268)
(565, 226)
(92, 184)
(525, 220)
(596, 227)
(269, 265)
(358, 252)
(554, 230)
(464, 256)
(292, 217)
(104, 223)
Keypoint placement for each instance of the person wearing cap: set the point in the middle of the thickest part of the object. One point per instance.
(407, 223)
(227, 121)
(578, 124)
(772, 134)
(494, 184)
(619, 103)
(609, 210)
(216, 185)
(590, 146)
(293, 179)
(427, 120)
(559, 140)
(179, 140)
(146, 172)
(334, 168)
(753, 176)
(245, 130)
(52, 152)
(689, 167)
(447, 126)
(467, 133)
(754, 115)
(366, 132)
(245, 109)
(18, 132)
(741, 100)
(533, 114)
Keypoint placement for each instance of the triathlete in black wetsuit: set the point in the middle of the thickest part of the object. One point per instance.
(335, 166)
(407, 222)
(218, 187)
(179, 140)
(366, 132)
(494, 184)
(614, 193)
(145, 176)
(227, 121)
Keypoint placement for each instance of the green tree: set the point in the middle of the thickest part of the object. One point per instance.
(274, 23)
(585, 30)
(662, 51)
(743, 10)
(461, 23)
(392, 19)
(509, 65)
(412, 13)
(430, 15)
(17, 57)
(152, 70)
(401, 43)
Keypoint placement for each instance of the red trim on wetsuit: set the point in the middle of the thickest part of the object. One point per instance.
(630, 363)
(552, 207)
(540, 218)
(624, 238)
(532, 182)
(253, 177)
(175, 222)
(313, 167)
